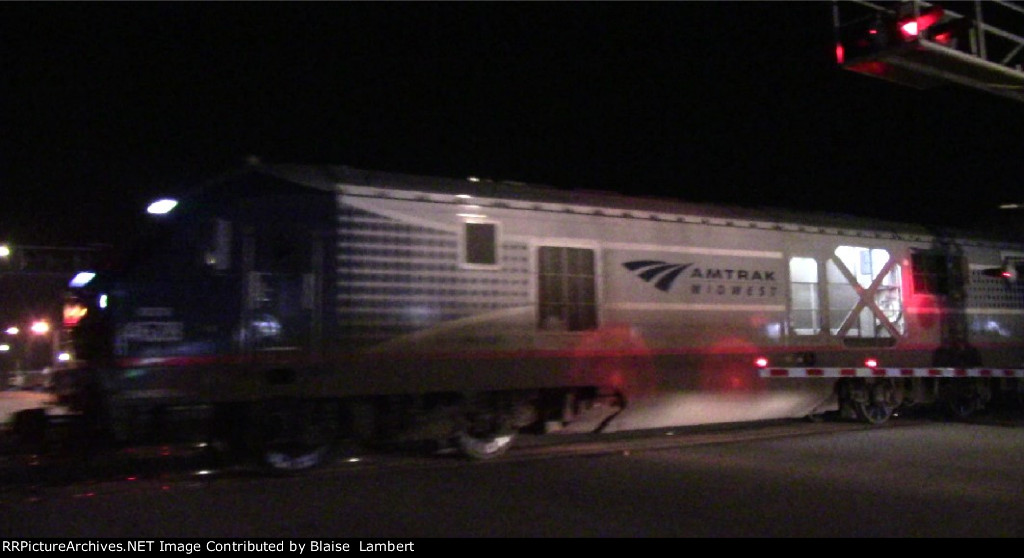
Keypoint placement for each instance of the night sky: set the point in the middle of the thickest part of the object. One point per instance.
(107, 105)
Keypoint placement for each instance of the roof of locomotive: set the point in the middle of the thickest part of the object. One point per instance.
(331, 177)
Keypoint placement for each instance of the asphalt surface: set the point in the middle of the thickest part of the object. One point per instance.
(13, 400)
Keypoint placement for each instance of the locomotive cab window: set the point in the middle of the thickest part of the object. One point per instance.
(217, 252)
(480, 244)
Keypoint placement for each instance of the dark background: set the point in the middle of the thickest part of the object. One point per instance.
(107, 105)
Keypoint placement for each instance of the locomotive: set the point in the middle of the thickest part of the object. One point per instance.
(283, 309)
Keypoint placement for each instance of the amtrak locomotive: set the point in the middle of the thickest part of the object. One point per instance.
(282, 309)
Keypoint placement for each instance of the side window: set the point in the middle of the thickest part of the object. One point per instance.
(480, 244)
(864, 295)
(805, 310)
(567, 299)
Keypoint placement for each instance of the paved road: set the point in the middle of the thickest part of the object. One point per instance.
(12, 401)
(911, 478)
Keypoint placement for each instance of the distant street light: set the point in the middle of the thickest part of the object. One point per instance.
(5, 251)
(1007, 219)
(40, 327)
(24, 350)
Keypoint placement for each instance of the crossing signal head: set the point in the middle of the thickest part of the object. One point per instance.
(912, 27)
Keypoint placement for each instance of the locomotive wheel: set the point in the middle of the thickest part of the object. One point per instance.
(962, 406)
(966, 398)
(485, 437)
(878, 403)
(296, 435)
(476, 446)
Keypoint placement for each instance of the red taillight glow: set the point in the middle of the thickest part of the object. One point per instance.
(761, 362)
(840, 54)
(871, 363)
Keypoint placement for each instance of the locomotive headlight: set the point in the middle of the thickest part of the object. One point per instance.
(761, 362)
(162, 206)
(871, 362)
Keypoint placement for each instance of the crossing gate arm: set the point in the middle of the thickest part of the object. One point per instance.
(864, 372)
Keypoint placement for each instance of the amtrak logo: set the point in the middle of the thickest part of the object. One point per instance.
(706, 281)
(665, 273)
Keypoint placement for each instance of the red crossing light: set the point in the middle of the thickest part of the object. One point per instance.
(913, 27)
